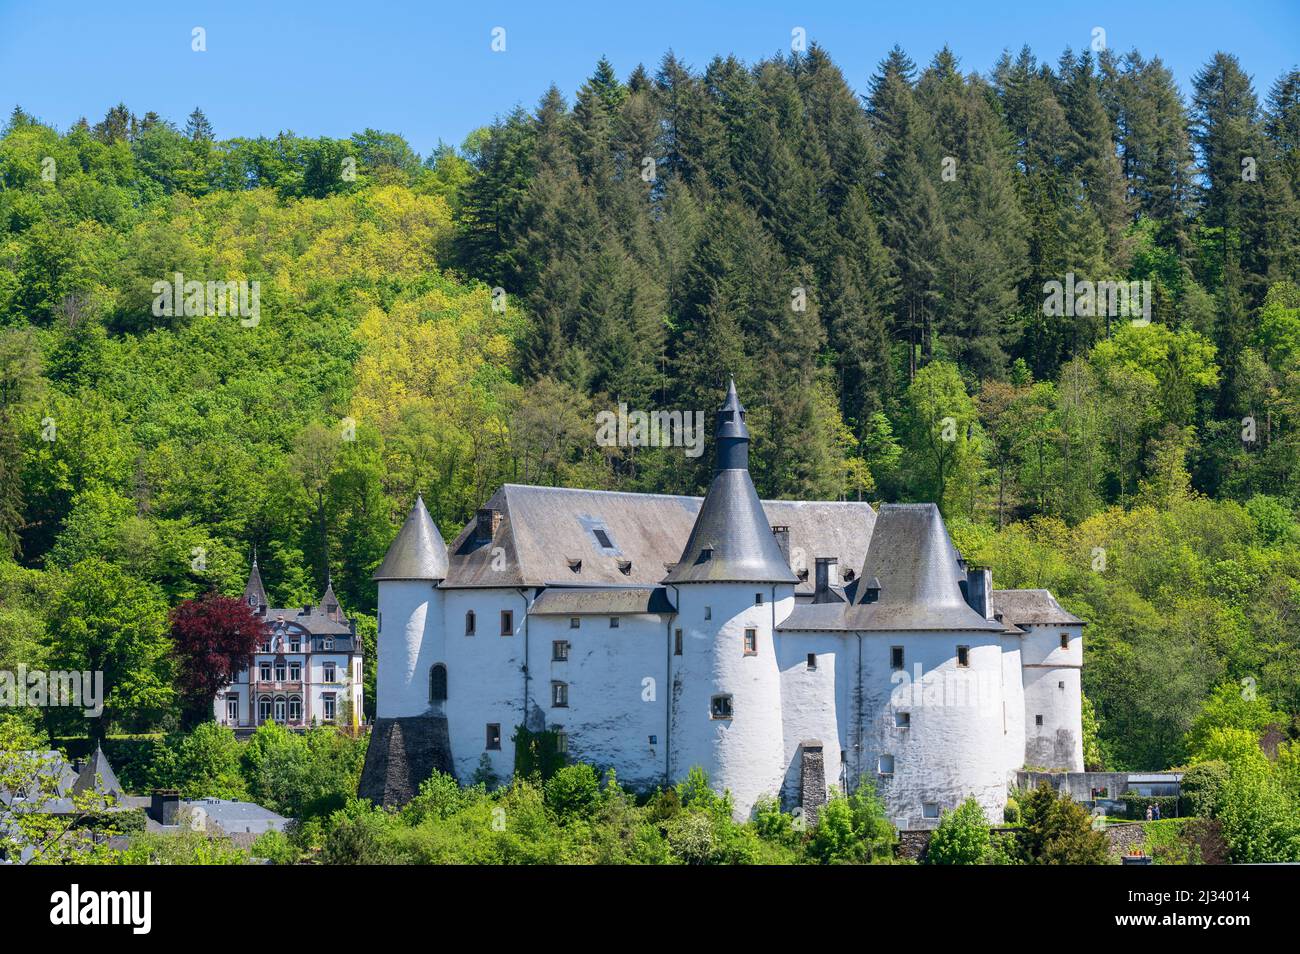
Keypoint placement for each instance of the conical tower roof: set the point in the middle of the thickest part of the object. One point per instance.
(418, 553)
(329, 603)
(731, 541)
(97, 776)
(254, 591)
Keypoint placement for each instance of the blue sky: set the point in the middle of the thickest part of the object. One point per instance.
(427, 70)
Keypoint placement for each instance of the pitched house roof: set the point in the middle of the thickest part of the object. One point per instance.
(1031, 607)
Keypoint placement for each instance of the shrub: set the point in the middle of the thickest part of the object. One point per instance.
(962, 837)
(573, 791)
(1201, 785)
(1011, 814)
(1058, 831)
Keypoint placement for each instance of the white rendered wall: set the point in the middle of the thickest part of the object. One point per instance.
(618, 691)
(1013, 706)
(410, 611)
(954, 746)
(1053, 690)
(744, 754)
(815, 704)
(485, 676)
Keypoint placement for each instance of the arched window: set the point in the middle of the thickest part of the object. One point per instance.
(295, 708)
(264, 709)
(438, 683)
(469, 623)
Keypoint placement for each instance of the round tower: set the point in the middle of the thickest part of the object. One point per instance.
(410, 616)
(733, 585)
(1051, 659)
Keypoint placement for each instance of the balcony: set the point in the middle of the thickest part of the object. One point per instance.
(274, 685)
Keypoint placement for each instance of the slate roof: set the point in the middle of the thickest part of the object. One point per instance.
(1031, 607)
(418, 552)
(732, 540)
(543, 529)
(602, 601)
(920, 575)
(254, 591)
(97, 776)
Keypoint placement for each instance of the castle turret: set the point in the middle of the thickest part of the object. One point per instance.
(254, 591)
(733, 586)
(410, 615)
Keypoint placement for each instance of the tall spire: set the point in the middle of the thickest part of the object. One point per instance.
(418, 552)
(731, 433)
(254, 591)
(731, 540)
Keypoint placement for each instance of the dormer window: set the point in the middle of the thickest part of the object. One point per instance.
(575, 566)
(625, 567)
(848, 576)
(706, 553)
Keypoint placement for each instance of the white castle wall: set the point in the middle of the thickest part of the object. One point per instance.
(744, 754)
(405, 644)
(816, 704)
(485, 677)
(1053, 690)
(617, 679)
(954, 745)
(969, 727)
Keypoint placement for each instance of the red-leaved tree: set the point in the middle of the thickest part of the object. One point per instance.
(212, 638)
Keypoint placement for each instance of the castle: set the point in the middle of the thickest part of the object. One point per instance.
(652, 633)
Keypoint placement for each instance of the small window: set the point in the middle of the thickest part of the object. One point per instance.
(751, 642)
(720, 707)
(264, 671)
(708, 612)
(1038, 720)
(1061, 684)
(677, 642)
(1065, 640)
(603, 538)
(758, 599)
(895, 657)
(295, 645)
(560, 650)
(885, 765)
(559, 694)
(327, 644)
(613, 622)
(295, 672)
(470, 620)
(379, 622)
(902, 720)
(438, 683)
(279, 672)
(812, 660)
(930, 810)
(575, 622)
(561, 742)
(328, 673)
(507, 622)
(963, 655)
(493, 735)
(654, 740)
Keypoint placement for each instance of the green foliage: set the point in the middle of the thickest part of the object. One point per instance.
(1201, 785)
(1055, 830)
(962, 837)
(853, 829)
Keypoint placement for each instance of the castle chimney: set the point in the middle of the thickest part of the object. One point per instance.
(782, 535)
(486, 523)
(979, 590)
(165, 806)
(828, 577)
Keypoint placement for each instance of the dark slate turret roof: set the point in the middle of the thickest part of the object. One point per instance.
(920, 576)
(732, 541)
(254, 591)
(418, 553)
(97, 777)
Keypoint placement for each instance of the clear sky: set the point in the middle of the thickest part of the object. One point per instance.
(427, 69)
